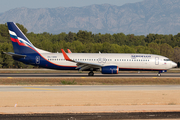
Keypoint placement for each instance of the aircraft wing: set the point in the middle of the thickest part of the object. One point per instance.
(81, 65)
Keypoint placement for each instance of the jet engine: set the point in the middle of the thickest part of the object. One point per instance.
(110, 70)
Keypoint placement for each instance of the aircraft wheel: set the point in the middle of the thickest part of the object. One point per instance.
(159, 75)
(90, 74)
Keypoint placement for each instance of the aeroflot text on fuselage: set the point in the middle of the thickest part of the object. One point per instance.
(27, 53)
(140, 56)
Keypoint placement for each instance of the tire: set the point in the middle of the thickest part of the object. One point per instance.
(90, 74)
(159, 75)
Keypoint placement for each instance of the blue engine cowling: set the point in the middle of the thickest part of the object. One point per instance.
(110, 70)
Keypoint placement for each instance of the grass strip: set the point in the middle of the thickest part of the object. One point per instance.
(89, 81)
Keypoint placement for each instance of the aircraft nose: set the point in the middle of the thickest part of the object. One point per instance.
(174, 64)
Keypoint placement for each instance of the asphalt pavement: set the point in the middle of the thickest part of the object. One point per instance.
(90, 88)
(98, 75)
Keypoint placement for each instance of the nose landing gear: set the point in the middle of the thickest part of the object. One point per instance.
(162, 71)
(159, 74)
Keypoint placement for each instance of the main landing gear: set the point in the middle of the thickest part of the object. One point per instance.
(91, 73)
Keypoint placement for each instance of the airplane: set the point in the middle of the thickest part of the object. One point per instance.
(107, 63)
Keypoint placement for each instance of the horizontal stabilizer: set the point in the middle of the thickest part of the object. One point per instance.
(15, 55)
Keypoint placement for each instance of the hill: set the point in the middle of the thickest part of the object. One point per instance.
(142, 18)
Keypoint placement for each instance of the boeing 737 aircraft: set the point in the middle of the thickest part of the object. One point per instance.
(26, 52)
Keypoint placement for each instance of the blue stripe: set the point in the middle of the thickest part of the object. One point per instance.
(30, 59)
(13, 36)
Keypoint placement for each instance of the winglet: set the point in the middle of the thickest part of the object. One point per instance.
(69, 51)
(65, 55)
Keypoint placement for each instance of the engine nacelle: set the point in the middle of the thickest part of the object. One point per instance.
(110, 70)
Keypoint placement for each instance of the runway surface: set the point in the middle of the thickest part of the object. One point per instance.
(90, 88)
(95, 116)
(98, 75)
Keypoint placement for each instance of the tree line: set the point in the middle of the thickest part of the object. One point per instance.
(88, 42)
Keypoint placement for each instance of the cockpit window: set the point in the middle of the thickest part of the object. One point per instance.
(167, 60)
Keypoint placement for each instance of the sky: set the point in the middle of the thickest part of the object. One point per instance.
(6, 5)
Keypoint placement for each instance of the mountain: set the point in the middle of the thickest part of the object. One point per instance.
(142, 18)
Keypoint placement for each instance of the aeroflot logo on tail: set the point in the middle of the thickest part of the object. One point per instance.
(19, 40)
(140, 56)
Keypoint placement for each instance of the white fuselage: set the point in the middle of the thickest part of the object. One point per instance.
(123, 61)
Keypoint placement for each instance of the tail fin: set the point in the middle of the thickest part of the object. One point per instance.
(20, 42)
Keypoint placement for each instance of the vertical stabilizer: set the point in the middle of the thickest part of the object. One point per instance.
(20, 42)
